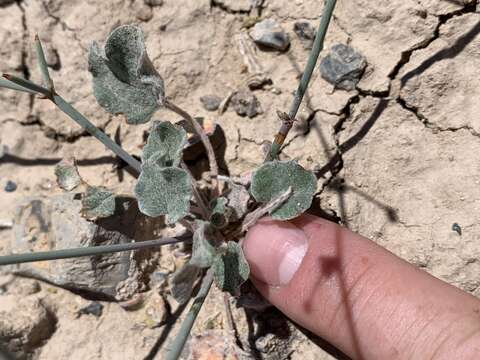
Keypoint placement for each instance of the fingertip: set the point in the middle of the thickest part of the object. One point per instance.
(274, 250)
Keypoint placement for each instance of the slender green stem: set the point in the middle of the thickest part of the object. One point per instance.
(85, 251)
(12, 86)
(42, 64)
(175, 348)
(307, 75)
(27, 84)
(93, 130)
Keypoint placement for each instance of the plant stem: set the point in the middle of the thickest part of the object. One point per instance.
(42, 64)
(27, 84)
(85, 251)
(307, 75)
(93, 130)
(12, 86)
(205, 140)
(175, 348)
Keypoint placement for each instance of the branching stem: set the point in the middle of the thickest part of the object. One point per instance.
(94, 131)
(205, 140)
(307, 75)
(20, 84)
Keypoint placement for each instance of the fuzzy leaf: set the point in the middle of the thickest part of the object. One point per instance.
(67, 174)
(165, 144)
(182, 283)
(220, 213)
(98, 202)
(274, 178)
(203, 249)
(231, 268)
(163, 191)
(124, 79)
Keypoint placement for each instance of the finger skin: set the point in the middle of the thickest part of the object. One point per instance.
(371, 304)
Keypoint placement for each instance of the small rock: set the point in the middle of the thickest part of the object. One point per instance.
(210, 345)
(94, 308)
(211, 102)
(306, 33)
(272, 344)
(6, 224)
(270, 34)
(24, 325)
(343, 67)
(156, 310)
(43, 224)
(158, 279)
(10, 186)
(246, 103)
(143, 12)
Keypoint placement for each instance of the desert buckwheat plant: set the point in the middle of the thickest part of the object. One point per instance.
(216, 215)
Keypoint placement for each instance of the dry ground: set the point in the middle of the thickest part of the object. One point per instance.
(397, 157)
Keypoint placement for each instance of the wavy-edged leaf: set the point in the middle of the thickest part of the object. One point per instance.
(183, 282)
(274, 178)
(124, 79)
(203, 248)
(163, 191)
(67, 174)
(98, 202)
(165, 144)
(231, 268)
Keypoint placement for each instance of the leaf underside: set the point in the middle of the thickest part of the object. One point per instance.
(274, 178)
(124, 79)
(98, 202)
(164, 144)
(203, 248)
(163, 191)
(231, 269)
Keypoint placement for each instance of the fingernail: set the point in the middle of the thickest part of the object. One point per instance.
(274, 251)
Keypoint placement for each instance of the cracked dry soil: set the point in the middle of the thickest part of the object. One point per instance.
(397, 157)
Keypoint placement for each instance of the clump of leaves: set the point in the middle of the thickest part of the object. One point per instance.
(125, 82)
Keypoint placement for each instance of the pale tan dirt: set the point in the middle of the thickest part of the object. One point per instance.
(397, 158)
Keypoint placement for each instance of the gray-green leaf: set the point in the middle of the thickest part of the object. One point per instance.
(98, 202)
(203, 248)
(124, 79)
(220, 213)
(163, 191)
(182, 283)
(231, 268)
(67, 174)
(274, 178)
(165, 144)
